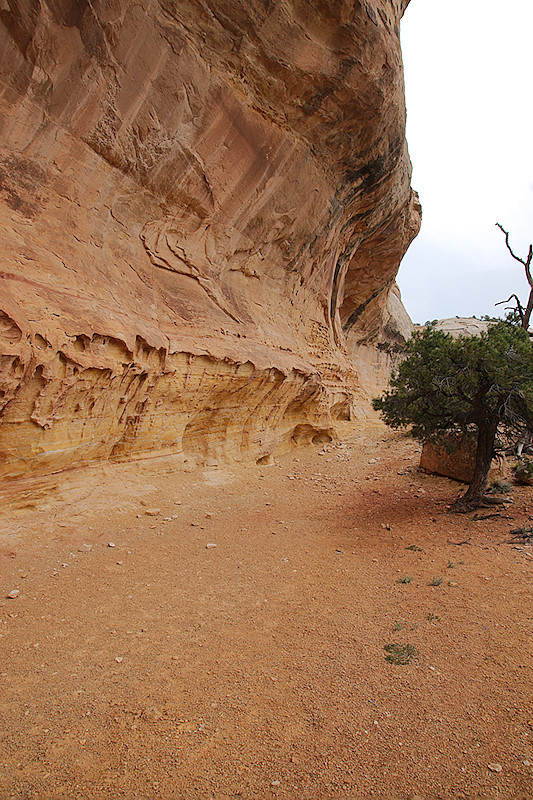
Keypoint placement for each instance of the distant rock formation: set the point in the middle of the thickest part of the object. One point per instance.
(203, 206)
(462, 326)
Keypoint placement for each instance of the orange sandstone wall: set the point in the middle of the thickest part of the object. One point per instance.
(203, 206)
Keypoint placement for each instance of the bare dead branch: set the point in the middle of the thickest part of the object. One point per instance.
(528, 266)
(523, 313)
(517, 258)
(518, 303)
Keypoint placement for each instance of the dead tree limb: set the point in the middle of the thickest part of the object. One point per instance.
(523, 313)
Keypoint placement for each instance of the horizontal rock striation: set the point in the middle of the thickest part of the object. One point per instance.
(203, 206)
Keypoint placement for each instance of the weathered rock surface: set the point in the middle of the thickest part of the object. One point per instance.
(462, 326)
(458, 462)
(203, 205)
(379, 350)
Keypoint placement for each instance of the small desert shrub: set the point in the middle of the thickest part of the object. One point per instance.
(500, 486)
(405, 579)
(400, 654)
(523, 472)
(437, 580)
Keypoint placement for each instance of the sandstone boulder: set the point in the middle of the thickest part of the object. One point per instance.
(457, 463)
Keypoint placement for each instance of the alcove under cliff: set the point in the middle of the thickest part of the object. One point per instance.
(203, 206)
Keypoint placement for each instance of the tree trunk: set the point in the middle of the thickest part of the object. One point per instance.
(473, 497)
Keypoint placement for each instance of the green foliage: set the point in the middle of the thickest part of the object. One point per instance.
(406, 579)
(437, 580)
(448, 385)
(400, 654)
(513, 316)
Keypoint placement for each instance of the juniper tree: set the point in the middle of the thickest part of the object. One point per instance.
(478, 384)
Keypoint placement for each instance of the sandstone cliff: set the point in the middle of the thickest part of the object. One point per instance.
(203, 205)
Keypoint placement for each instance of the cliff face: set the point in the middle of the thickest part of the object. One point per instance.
(203, 205)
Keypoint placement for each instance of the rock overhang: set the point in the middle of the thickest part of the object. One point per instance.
(219, 184)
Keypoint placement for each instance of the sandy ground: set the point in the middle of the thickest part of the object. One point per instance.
(232, 645)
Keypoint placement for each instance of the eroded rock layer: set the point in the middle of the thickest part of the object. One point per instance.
(203, 205)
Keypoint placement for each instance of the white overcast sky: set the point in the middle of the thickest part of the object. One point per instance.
(469, 92)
